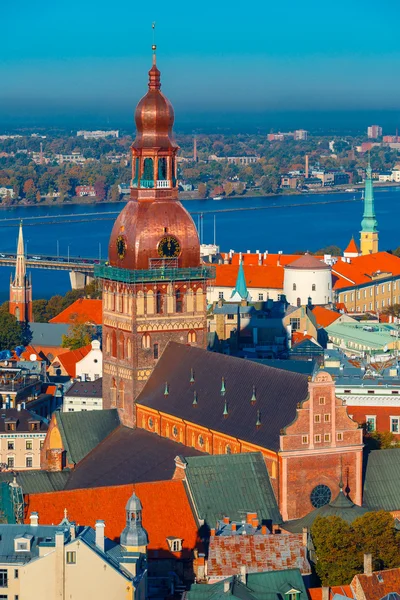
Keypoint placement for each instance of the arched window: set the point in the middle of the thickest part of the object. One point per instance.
(114, 344)
(313, 287)
(17, 313)
(298, 301)
(146, 341)
(108, 343)
(192, 337)
(155, 351)
(162, 168)
(178, 301)
(120, 399)
(113, 392)
(159, 303)
(129, 348)
(121, 346)
(148, 170)
(294, 287)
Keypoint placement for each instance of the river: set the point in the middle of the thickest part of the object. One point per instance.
(287, 223)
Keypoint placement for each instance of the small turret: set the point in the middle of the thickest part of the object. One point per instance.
(134, 537)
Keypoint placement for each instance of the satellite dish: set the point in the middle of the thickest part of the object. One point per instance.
(33, 357)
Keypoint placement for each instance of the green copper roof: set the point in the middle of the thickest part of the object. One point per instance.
(341, 507)
(382, 480)
(83, 431)
(231, 485)
(241, 287)
(269, 585)
(369, 222)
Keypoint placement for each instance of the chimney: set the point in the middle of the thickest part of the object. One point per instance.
(100, 526)
(240, 258)
(34, 519)
(368, 564)
(227, 585)
(212, 532)
(305, 536)
(233, 527)
(19, 407)
(255, 523)
(243, 575)
(264, 529)
(325, 593)
(226, 520)
(250, 516)
(72, 531)
(4, 406)
(260, 258)
(306, 169)
(11, 403)
(226, 259)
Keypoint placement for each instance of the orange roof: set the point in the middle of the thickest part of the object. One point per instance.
(343, 590)
(83, 310)
(256, 276)
(69, 359)
(379, 584)
(270, 260)
(352, 247)
(324, 316)
(360, 269)
(166, 511)
(299, 336)
(27, 353)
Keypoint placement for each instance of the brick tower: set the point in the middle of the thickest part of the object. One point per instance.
(21, 287)
(154, 285)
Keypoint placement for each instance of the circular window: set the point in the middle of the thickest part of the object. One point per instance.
(95, 360)
(320, 496)
(228, 449)
(201, 441)
(151, 423)
(175, 431)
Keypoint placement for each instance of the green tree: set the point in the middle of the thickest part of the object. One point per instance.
(337, 562)
(54, 306)
(332, 250)
(12, 333)
(393, 310)
(79, 334)
(39, 310)
(202, 190)
(374, 533)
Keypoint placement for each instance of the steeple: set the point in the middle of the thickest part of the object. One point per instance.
(21, 288)
(240, 292)
(369, 224)
(134, 537)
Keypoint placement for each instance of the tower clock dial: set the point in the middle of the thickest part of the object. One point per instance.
(121, 247)
(169, 247)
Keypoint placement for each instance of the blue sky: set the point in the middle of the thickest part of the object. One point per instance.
(214, 56)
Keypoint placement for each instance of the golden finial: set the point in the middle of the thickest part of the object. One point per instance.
(153, 46)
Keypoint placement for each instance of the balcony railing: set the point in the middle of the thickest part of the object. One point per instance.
(163, 183)
(163, 274)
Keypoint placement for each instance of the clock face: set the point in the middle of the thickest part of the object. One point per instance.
(121, 246)
(169, 247)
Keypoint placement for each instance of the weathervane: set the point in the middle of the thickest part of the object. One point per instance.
(153, 46)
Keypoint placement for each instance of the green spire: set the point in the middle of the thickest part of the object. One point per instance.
(225, 413)
(223, 390)
(369, 223)
(258, 422)
(191, 376)
(166, 389)
(194, 398)
(253, 397)
(240, 292)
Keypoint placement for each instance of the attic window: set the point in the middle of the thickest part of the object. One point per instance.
(175, 544)
(34, 426)
(11, 426)
(292, 594)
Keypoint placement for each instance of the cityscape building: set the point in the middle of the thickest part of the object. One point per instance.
(20, 304)
(154, 285)
(374, 132)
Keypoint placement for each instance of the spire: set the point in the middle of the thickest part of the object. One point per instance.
(154, 73)
(134, 536)
(240, 292)
(369, 223)
(225, 413)
(20, 267)
(253, 397)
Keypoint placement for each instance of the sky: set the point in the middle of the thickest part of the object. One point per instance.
(87, 59)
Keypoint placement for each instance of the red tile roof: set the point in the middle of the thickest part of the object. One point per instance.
(256, 276)
(271, 260)
(70, 358)
(342, 590)
(299, 336)
(360, 269)
(324, 316)
(27, 353)
(166, 511)
(271, 552)
(378, 584)
(83, 310)
(352, 247)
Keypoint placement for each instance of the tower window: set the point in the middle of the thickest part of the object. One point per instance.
(294, 287)
(114, 344)
(313, 287)
(162, 168)
(148, 170)
(178, 301)
(155, 351)
(158, 302)
(146, 341)
(192, 337)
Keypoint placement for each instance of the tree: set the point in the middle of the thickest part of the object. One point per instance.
(39, 311)
(99, 188)
(79, 334)
(337, 562)
(332, 250)
(54, 306)
(393, 310)
(374, 533)
(202, 190)
(12, 333)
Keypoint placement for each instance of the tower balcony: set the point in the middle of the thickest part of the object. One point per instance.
(149, 184)
(106, 271)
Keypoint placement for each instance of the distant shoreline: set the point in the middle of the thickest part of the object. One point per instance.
(193, 196)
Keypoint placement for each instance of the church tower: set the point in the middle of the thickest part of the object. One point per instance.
(154, 285)
(21, 287)
(369, 224)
